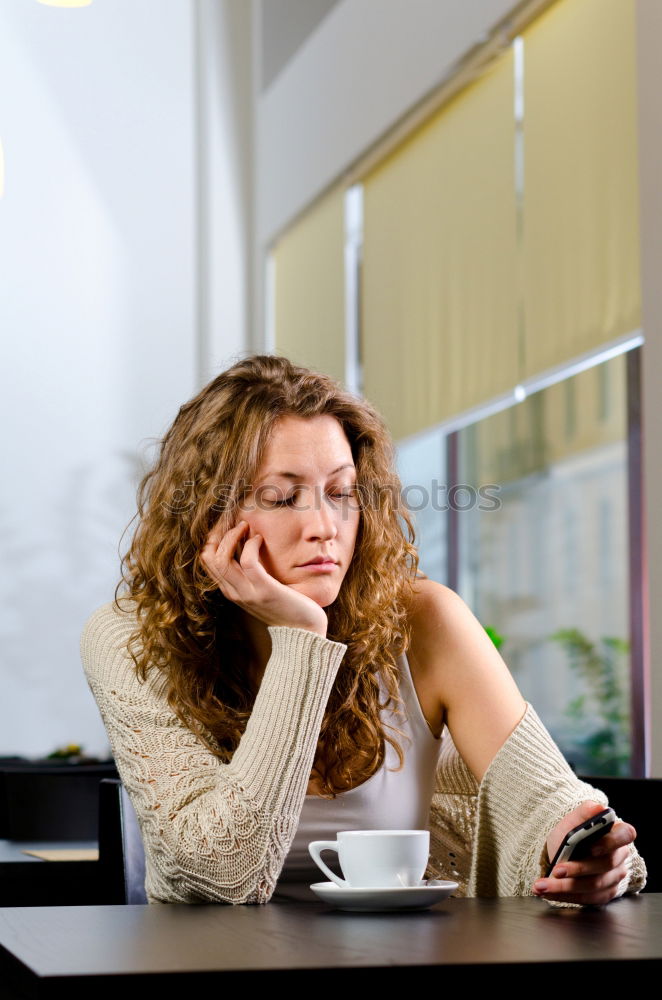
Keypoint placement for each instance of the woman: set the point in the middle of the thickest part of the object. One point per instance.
(279, 667)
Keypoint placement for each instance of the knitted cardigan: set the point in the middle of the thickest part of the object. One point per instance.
(216, 831)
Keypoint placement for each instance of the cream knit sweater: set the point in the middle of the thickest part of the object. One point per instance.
(217, 831)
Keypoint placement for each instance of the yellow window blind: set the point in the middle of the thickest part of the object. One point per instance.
(439, 289)
(580, 234)
(309, 306)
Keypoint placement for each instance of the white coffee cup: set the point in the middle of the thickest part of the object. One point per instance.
(376, 858)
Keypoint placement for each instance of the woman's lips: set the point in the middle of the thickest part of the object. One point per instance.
(320, 567)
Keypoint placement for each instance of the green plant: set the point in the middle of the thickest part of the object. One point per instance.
(71, 750)
(605, 748)
(497, 639)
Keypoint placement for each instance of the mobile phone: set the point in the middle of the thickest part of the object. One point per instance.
(578, 842)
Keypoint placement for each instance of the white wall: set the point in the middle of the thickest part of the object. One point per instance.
(103, 299)
(284, 25)
(225, 189)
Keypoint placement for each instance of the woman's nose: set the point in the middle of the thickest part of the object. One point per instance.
(321, 521)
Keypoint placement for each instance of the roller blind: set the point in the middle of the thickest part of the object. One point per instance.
(580, 232)
(473, 279)
(439, 288)
(309, 288)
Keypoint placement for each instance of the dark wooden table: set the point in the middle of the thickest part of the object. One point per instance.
(71, 951)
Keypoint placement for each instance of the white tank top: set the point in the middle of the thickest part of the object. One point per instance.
(388, 800)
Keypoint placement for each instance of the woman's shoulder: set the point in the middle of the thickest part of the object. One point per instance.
(110, 619)
(429, 609)
(425, 589)
(432, 606)
(105, 636)
(440, 621)
(460, 663)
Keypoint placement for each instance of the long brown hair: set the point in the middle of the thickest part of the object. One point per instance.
(190, 632)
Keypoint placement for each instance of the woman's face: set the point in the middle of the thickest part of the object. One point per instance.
(304, 505)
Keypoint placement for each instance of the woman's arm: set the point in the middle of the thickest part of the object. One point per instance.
(528, 793)
(456, 659)
(213, 831)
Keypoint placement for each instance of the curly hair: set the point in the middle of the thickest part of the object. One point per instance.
(190, 632)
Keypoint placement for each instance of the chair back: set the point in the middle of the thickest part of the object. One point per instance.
(121, 851)
(134, 852)
(50, 800)
(638, 801)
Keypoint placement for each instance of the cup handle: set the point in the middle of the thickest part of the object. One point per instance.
(315, 848)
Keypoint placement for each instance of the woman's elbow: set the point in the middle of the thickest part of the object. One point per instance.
(186, 880)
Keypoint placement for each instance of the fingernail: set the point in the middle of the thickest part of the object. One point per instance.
(541, 887)
(560, 872)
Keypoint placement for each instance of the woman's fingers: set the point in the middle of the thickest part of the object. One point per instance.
(593, 880)
(234, 563)
(596, 889)
(219, 534)
(591, 865)
(218, 553)
(250, 554)
(620, 834)
(223, 541)
(216, 534)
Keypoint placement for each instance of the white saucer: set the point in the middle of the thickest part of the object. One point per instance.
(395, 898)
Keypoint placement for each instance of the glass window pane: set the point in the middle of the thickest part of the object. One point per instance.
(549, 568)
(421, 466)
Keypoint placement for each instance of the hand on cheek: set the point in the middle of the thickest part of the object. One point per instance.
(243, 579)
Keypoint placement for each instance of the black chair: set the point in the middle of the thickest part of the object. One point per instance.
(637, 801)
(50, 801)
(121, 853)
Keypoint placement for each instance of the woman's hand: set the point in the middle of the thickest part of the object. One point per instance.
(242, 578)
(595, 879)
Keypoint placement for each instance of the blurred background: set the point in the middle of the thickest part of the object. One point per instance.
(454, 208)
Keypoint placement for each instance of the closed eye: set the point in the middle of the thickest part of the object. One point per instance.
(337, 496)
(287, 502)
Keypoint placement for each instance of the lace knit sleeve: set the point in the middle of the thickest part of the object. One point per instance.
(528, 788)
(213, 831)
